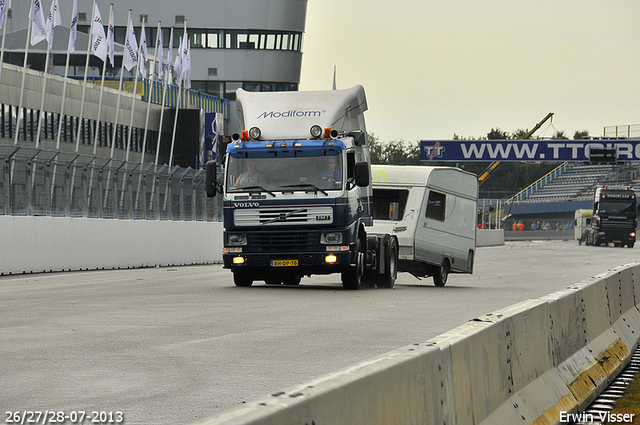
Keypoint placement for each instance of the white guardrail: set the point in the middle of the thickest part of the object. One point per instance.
(532, 363)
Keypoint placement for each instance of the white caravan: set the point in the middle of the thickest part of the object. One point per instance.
(432, 211)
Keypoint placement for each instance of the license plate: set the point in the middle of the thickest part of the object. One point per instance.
(617, 241)
(284, 263)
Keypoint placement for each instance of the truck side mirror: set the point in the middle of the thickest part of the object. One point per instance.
(211, 174)
(359, 137)
(362, 174)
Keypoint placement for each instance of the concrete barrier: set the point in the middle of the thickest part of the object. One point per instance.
(489, 237)
(43, 244)
(524, 364)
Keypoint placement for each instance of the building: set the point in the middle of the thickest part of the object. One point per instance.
(250, 44)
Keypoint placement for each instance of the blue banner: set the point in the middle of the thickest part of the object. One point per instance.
(556, 150)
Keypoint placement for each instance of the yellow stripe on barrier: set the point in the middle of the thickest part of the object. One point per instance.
(611, 359)
(550, 417)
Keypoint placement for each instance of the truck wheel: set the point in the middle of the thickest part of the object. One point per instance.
(242, 279)
(441, 275)
(293, 279)
(352, 279)
(388, 279)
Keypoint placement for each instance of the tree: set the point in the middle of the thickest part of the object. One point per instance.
(581, 134)
(395, 152)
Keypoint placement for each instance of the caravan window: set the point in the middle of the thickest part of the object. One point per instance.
(389, 204)
(436, 205)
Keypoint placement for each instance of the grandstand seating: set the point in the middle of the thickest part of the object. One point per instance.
(578, 182)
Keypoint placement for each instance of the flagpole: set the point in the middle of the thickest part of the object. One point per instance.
(70, 48)
(175, 121)
(124, 52)
(146, 122)
(120, 88)
(7, 3)
(24, 75)
(84, 83)
(53, 15)
(133, 100)
(164, 94)
(165, 82)
(98, 119)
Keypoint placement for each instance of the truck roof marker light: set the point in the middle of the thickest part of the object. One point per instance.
(268, 145)
(244, 135)
(283, 145)
(327, 133)
(297, 144)
(316, 131)
(255, 133)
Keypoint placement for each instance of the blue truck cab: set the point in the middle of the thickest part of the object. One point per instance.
(297, 191)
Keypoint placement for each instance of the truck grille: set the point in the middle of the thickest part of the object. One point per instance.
(284, 241)
(282, 216)
(620, 224)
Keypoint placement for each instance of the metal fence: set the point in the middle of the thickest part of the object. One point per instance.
(52, 183)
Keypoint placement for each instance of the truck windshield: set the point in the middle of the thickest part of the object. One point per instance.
(618, 207)
(315, 171)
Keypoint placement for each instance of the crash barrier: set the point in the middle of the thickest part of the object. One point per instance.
(489, 237)
(32, 244)
(530, 363)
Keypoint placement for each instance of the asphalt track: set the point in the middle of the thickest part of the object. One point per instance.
(176, 345)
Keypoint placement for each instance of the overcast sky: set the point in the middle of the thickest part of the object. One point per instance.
(434, 68)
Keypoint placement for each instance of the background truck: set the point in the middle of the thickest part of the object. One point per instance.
(614, 217)
(297, 191)
(581, 223)
(432, 211)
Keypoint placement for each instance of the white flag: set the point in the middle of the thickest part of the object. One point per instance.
(4, 6)
(143, 52)
(73, 29)
(186, 67)
(98, 41)
(111, 36)
(159, 64)
(38, 32)
(167, 70)
(130, 58)
(184, 55)
(177, 65)
(53, 20)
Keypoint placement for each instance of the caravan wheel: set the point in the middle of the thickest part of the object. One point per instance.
(440, 277)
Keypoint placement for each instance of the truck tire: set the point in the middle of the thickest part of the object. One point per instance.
(352, 279)
(441, 274)
(242, 278)
(388, 278)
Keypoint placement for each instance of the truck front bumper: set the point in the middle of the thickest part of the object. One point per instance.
(296, 263)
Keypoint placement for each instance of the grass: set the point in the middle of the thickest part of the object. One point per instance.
(629, 403)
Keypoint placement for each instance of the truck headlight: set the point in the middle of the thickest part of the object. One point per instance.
(331, 238)
(236, 239)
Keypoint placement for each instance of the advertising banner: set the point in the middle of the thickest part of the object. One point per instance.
(556, 150)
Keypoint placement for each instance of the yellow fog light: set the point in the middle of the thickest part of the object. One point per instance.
(633, 234)
(238, 260)
(331, 258)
